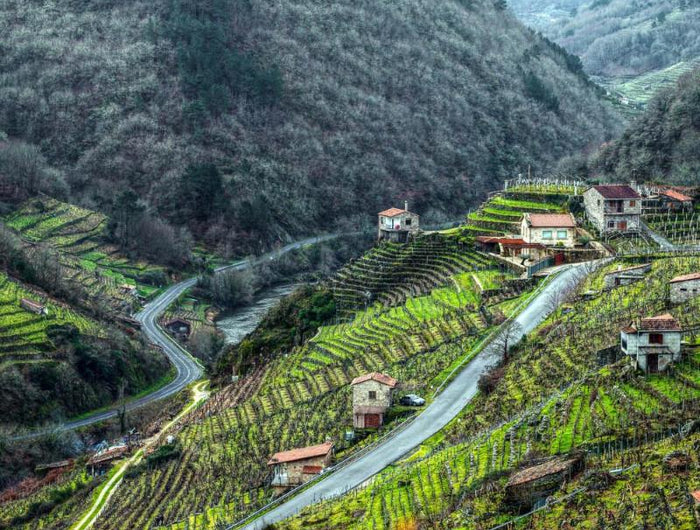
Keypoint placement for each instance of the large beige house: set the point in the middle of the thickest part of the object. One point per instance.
(549, 229)
(298, 466)
(652, 344)
(397, 225)
(613, 208)
(371, 397)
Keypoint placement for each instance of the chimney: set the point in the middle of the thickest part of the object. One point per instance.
(405, 205)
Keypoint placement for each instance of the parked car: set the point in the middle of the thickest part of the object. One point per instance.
(412, 400)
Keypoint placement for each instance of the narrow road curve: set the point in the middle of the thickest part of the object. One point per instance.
(187, 368)
(660, 240)
(446, 406)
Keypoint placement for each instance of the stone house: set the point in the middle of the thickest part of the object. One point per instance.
(652, 344)
(372, 395)
(33, 307)
(549, 229)
(526, 487)
(625, 276)
(298, 466)
(397, 225)
(684, 287)
(613, 208)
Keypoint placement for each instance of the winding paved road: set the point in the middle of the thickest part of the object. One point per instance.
(439, 413)
(187, 368)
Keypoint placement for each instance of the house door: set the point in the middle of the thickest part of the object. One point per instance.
(653, 363)
(372, 421)
(622, 225)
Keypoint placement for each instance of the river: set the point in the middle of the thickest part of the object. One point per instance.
(238, 323)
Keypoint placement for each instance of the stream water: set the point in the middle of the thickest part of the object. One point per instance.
(238, 323)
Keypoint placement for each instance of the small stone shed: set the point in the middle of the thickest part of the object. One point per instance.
(613, 208)
(685, 287)
(298, 466)
(531, 484)
(372, 395)
(100, 461)
(625, 276)
(652, 344)
(179, 328)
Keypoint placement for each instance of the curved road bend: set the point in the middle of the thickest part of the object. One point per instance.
(187, 368)
(439, 413)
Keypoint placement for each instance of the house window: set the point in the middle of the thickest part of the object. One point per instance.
(611, 224)
(656, 338)
(407, 222)
(562, 234)
(598, 202)
(372, 394)
(624, 343)
(633, 204)
(546, 234)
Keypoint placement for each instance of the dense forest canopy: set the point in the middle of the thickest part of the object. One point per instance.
(619, 37)
(246, 122)
(664, 143)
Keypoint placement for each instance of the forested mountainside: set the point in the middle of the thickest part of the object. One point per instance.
(619, 37)
(249, 121)
(664, 143)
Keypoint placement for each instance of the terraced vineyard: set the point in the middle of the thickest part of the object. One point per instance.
(23, 334)
(391, 273)
(78, 235)
(501, 214)
(303, 397)
(679, 228)
(554, 397)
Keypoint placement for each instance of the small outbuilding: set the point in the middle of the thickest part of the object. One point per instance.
(675, 201)
(179, 328)
(626, 275)
(549, 229)
(653, 344)
(685, 287)
(511, 247)
(372, 395)
(397, 225)
(102, 460)
(298, 466)
(33, 307)
(529, 485)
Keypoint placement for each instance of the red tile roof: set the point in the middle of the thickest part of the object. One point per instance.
(677, 195)
(507, 241)
(664, 322)
(376, 376)
(32, 303)
(686, 277)
(696, 496)
(627, 269)
(617, 191)
(392, 212)
(109, 454)
(311, 470)
(303, 453)
(551, 220)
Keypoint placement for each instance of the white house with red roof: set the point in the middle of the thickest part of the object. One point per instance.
(397, 225)
(684, 287)
(613, 208)
(653, 343)
(297, 466)
(548, 229)
(372, 395)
